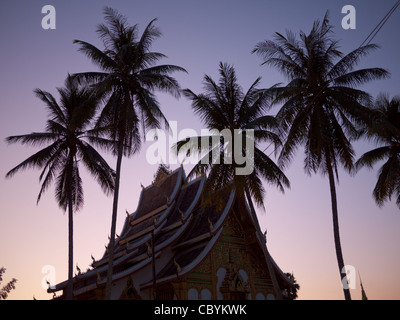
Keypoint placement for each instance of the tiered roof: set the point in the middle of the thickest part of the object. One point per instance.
(169, 213)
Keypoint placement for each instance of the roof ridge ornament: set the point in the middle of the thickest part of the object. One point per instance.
(78, 269)
(210, 224)
(182, 214)
(128, 216)
(148, 248)
(161, 175)
(178, 267)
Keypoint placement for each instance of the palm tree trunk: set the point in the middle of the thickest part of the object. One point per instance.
(336, 233)
(70, 233)
(271, 270)
(114, 222)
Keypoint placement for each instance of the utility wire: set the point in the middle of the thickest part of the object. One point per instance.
(371, 36)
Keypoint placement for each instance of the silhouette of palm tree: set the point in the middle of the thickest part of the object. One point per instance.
(67, 143)
(322, 109)
(225, 108)
(128, 78)
(384, 127)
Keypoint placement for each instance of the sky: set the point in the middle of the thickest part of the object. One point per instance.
(197, 35)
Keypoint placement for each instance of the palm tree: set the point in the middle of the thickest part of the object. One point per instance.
(128, 77)
(65, 147)
(225, 108)
(322, 109)
(384, 127)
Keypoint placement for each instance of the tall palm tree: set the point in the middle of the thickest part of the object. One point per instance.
(322, 109)
(129, 75)
(66, 145)
(225, 108)
(384, 127)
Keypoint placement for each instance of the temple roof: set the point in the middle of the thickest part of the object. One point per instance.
(170, 212)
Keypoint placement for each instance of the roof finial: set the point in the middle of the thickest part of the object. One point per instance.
(182, 214)
(148, 248)
(48, 283)
(128, 215)
(210, 224)
(178, 267)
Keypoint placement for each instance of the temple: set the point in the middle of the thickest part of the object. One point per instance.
(173, 247)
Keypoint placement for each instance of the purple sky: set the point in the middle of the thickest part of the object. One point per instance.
(197, 35)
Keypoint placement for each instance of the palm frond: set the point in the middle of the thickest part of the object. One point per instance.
(368, 159)
(361, 76)
(149, 34)
(97, 167)
(347, 63)
(37, 160)
(50, 169)
(96, 55)
(35, 139)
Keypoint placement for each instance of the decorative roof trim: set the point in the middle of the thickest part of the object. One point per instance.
(191, 265)
(177, 186)
(198, 194)
(115, 277)
(187, 215)
(93, 272)
(214, 236)
(263, 246)
(148, 215)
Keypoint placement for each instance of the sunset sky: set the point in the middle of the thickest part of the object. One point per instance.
(197, 35)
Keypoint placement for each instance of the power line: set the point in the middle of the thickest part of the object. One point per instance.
(380, 24)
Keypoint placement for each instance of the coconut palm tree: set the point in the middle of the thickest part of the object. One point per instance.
(384, 127)
(227, 112)
(66, 145)
(129, 75)
(322, 107)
